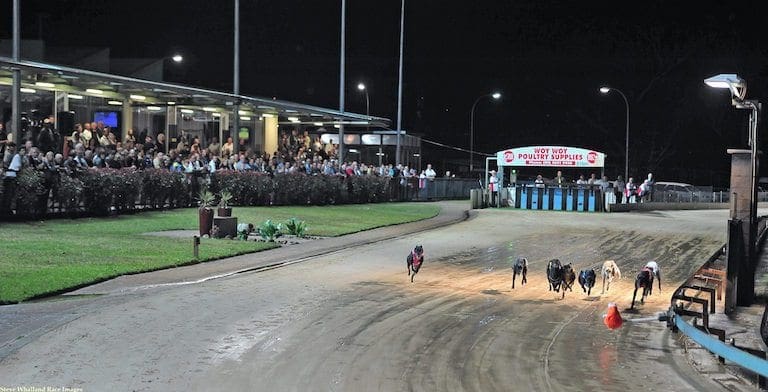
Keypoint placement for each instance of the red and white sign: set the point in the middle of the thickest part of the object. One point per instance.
(550, 156)
(509, 156)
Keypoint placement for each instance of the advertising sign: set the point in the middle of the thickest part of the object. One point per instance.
(550, 156)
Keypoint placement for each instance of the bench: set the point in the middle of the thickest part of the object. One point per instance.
(713, 276)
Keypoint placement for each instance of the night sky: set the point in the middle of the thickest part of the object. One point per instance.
(547, 58)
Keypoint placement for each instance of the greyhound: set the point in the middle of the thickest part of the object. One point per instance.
(587, 279)
(520, 268)
(656, 270)
(414, 261)
(643, 279)
(609, 271)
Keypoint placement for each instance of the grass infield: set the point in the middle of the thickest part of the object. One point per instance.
(43, 258)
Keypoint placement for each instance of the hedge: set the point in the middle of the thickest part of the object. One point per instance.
(113, 191)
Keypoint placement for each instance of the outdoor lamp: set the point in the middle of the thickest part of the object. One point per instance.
(733, 82)
(496, 95)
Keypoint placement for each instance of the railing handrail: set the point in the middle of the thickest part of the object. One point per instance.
(742, 358)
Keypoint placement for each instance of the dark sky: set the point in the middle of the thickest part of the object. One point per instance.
(547, 58)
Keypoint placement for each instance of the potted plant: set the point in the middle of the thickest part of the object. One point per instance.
(205, 212)
(224, 197)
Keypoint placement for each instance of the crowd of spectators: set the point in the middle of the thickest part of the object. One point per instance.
(94, 145)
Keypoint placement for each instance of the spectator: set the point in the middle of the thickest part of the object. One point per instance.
(228, 148)
(559, 180)
(194, 148)
(619, 187)
(242, 164)
(649, 185)
(160, 145)
(143, 135)
(130, 136)
(430, 173)
(3, 139)
(87, 136)
(214, 148)
(604, 184)
(47, 138)
(630, 190)
(493, 186)
(149, 146)
(9, 179)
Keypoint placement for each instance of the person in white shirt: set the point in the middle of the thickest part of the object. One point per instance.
(430, 172)
(9, 179)
(493, 186)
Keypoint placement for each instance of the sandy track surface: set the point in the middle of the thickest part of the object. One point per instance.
(352, 321)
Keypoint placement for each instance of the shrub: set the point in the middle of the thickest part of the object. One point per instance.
(160, 186)
(98, 191)
(289, 189)
(126, 187)
(70, 193)
(180, 194)
(296, 227)
(323, 190)
(29, 189)
(224, 197)
(247, 189)
(206, 199)
(270, 231)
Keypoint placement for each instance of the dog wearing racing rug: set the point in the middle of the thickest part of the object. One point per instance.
(414, 261)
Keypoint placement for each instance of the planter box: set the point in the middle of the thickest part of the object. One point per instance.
(227, 226)
(205, 221)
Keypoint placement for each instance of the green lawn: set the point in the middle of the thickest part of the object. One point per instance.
(40, 258)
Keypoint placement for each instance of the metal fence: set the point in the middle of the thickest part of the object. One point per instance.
(422, 189)
(699, 195)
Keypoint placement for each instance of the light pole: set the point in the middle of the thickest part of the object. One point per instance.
(361, 87)
(342, 68)
(495, 96)
(236, 83)
(606, 90)
(740, 275)
(400, 83)
(16, 93)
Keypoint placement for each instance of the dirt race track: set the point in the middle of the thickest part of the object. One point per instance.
(352, 321)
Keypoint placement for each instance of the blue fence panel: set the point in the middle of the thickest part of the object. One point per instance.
(545, 199)
(591, 201)
(535, 199)
(580, 199)
(557, 199)
(524, 198)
